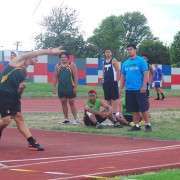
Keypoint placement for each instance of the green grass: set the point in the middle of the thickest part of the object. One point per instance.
(45, 90)
(171, 174)
(166, 125)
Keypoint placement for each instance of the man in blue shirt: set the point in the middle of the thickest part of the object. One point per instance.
(135, 76)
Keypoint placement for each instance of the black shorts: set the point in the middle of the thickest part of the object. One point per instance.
(111, 90)
(136, 101)
(88, 122)
(66, 94)
(9, 106)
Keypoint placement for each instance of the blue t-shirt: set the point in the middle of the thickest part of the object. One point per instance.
(133, 71)
(157, 74)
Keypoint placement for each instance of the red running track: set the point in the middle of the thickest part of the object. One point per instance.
(53, 104)
(82, 156)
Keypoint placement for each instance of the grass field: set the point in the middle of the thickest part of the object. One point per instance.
(45, 90)
(166, 125)
(173, 174)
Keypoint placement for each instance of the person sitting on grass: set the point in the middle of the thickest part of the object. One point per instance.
(93, 116)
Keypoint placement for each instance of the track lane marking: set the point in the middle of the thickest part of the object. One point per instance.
(104, 155)
(120, 171)
(97, 154)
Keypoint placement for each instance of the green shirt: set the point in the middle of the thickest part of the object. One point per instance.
(94, 106)
(65, 78)
(11, 85)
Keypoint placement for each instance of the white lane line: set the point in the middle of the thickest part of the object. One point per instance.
(101, 155)
(57, 173)
(121, 171)
(35, 171)
(97, 154)
(3, 165)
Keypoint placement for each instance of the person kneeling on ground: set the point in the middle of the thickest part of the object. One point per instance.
(93, 116)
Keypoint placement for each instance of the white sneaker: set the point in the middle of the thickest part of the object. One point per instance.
(75, 122)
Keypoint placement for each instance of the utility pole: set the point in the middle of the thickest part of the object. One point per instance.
(17, 43)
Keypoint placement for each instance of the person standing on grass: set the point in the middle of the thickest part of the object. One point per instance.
(66, 77)
(12, 86)
(157, 80)
(134, 76)
(111, 76)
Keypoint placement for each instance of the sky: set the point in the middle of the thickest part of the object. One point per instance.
(20, 19)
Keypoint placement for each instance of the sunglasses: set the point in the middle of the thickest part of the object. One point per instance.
(92, 94)
(129, 49)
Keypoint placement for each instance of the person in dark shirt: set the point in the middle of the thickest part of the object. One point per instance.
(12, 86)
(111, 77)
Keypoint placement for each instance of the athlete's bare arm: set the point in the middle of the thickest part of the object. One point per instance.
(29, 55)
(116, 67)
(75, 74)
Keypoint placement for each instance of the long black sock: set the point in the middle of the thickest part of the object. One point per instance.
(158, 96)
(162, 94)
(31, 140)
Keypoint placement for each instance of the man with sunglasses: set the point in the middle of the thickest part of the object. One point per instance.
(96, 111)
(135, 76)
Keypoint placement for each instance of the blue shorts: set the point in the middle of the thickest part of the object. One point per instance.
(136, 101)
(111, 90)
(157, 84)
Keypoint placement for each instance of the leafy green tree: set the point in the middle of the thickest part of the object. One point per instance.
(61, 28)
(116, 32)
(175, 50)
(155, 51)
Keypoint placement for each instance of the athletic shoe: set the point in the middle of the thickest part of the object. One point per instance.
(135, 128)
(118, 125)
(142, 123)
(99, 125)
(163, 98)
(36, 147)
(66, 122)
(148, 128)
(157, 99)
(131, 124)
(75, 122)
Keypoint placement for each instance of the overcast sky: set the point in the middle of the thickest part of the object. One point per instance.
(20, 23)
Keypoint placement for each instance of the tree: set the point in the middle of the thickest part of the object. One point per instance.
(61, 28)
(175, 50)
(107, 34)
(116, 32)
(155, 51)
